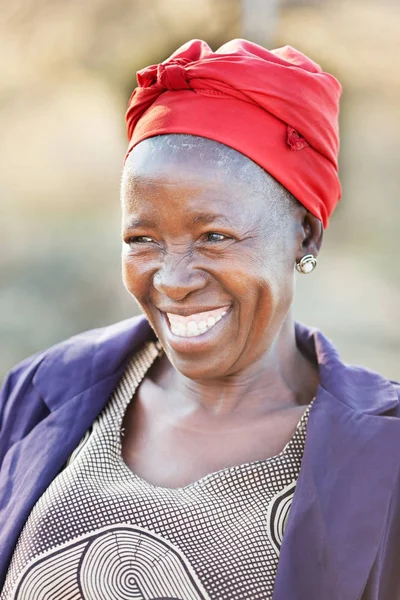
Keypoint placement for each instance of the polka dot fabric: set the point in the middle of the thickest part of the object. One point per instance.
(215, 539)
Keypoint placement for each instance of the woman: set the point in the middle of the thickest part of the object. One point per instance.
(213, 448)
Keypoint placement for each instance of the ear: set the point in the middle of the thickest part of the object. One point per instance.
(312, 233)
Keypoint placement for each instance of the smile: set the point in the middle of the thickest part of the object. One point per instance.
(195, 324)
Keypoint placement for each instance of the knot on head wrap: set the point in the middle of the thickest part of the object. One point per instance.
(277, 107)
(172, 77)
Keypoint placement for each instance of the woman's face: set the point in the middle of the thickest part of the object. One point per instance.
(209, 247)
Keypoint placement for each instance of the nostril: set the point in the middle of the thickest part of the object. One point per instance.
(179, 282)
(172, 290)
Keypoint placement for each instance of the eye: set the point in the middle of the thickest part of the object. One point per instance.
(215, 237)
(140, 239)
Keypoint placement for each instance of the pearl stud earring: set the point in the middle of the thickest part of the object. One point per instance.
(307, 264)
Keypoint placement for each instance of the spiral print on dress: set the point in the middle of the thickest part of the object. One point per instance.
(277, 516)
(120, 562)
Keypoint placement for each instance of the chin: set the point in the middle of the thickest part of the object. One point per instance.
(200, 369)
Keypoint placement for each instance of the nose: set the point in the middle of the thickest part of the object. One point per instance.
(177, 277)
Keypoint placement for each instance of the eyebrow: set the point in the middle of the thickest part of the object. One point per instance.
(210, 218)
(133, 222)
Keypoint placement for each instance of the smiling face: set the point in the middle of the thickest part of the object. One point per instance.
(209, 247)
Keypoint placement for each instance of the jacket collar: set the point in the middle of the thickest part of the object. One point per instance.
(79, 364)
(357, 388)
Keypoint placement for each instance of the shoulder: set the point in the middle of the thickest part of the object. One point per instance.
(78, 361)
(117, 337)
(359, 388)
(92, 361)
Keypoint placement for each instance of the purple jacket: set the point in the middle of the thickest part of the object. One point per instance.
(342, 539)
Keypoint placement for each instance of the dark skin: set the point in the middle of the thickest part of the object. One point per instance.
(198, 237)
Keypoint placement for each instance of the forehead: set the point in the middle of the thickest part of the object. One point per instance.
(183, 158)
(175, 173)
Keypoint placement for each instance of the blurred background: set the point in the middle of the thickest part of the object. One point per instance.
(66, 72)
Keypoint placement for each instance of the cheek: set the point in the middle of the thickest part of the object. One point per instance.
(268, 289)
(136, 277)
(281, 292)
(251, 275)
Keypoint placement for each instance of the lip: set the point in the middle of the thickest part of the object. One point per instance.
(198, 343)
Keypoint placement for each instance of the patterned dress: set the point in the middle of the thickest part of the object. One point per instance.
(101, 532)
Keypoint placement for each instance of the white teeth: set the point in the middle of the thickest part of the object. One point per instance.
(178, 328)
(192, 327)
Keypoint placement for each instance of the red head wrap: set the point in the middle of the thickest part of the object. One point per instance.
(277, 107)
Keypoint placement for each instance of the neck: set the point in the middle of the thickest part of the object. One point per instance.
(281, 378)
